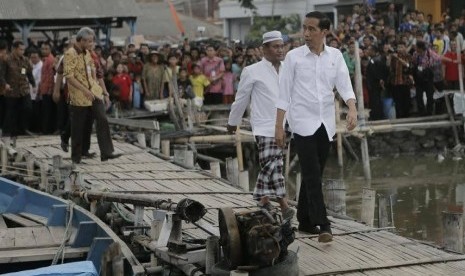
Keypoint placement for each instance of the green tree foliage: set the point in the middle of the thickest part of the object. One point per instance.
(286, 25)
(248, 4)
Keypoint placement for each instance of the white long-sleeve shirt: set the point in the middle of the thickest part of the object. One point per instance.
(259, 85)
(306, 84)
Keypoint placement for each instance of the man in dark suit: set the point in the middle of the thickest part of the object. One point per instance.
(376, 76)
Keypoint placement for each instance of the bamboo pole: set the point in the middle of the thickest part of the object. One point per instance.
(361, 112)
(214, 139)
(339, 135)
(452, 120)
(460, 65)
(408, 120)
(240, 158)
(398, 127)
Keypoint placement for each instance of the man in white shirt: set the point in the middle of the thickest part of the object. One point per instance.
(37, 63)
(259, 85)
(306, 84)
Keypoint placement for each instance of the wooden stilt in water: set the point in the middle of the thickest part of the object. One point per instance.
(452, 120)
(183, 156)
(57, 163)
(368, 206)
(452, 223)
(361, 113)
(383, 216)
(460, 65)
(335, 195)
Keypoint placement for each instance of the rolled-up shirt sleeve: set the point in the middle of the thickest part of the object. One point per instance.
(242, 100)
(343, 84)
(286, 77)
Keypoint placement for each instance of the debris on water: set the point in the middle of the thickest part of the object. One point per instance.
(440, 158)
(457, 158)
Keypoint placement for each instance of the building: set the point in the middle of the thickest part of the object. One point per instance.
(237, 20)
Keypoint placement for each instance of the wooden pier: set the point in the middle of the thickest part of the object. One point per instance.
(356, 250)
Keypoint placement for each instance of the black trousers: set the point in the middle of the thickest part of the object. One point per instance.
(313, 152)
(48, 114)
(2, 110)
(64, 120)
(82, 118)
(428, 88)
(17, 115)
(401, 96)
(375, 103)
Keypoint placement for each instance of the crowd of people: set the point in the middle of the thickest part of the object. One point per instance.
(405, 57)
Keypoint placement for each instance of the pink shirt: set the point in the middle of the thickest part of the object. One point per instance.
(210, 68)
(228, 83)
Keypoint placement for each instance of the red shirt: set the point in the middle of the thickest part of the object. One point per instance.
(124, 82)
(136, 67)
(452, 70)
(47, 78)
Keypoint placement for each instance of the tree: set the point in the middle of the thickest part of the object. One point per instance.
(286, 25)
(248, 4)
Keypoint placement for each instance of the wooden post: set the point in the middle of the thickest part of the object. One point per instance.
(30, 165)
(368, 206)
(165, 148)
(335, 195)
(93, 206)
(452, 120)
(361, 113)
(383, 216)
(4, 159)
(155, 141)
(232, 171)
(189, 159)
(138, 218)
(452, 223)
(141, 139)
(211, 253)
(244, 180)
(215, 168)
(340, 159)
(180, 154)
(44, 177)
(57, 163)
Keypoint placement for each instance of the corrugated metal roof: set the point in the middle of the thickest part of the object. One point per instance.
(156, 22)
(66, 9)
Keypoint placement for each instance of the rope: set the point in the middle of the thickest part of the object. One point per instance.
(67, 235)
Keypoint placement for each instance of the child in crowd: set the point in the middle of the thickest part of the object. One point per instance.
(185, 85)
(137, 91)
(199, 82)
(228, 82)
(124, 82)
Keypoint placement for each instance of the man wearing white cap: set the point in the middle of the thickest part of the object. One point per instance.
(259, 86)
(307, 81)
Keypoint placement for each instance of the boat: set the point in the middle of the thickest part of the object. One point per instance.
(39, 230)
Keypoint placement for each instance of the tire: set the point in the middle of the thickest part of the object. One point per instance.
(288, 267)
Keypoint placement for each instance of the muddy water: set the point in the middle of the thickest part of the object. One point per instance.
(420, 189)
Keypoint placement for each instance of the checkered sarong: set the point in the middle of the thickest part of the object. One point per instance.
(270, 180)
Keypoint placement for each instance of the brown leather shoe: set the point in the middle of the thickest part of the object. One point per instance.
(111, 156)
(325, 234)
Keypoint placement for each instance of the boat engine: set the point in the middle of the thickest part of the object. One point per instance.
(254, 238)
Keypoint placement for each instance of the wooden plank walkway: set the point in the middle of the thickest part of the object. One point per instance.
(356, 250)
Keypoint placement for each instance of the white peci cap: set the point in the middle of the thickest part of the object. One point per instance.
(272, 36)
